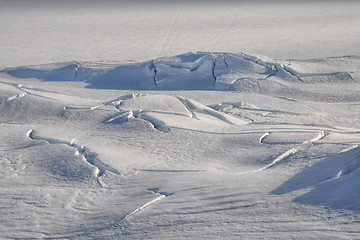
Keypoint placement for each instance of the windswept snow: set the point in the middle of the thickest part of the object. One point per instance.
(198, 145)
(153, 119)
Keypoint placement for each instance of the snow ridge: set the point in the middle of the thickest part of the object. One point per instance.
(23, 94)
(161, 196)
(261, 140)
(82, 151)
(292, 151)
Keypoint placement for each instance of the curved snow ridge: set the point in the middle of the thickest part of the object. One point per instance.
(349, 148)
(23, 94)
(292, 151)
(114, 102)
(194, 107)
(154, 122)
(262, 138)
(164, 112)
(118, 101)
(156, 191)
(236, 109)
(82, 151)
(126, 114)
(320, 136)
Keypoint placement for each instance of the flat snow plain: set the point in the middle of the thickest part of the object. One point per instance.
(215, 145)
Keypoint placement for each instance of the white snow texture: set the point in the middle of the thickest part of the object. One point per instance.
(195, 137)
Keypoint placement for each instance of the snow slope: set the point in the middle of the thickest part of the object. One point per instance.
(199, 145)
(334, 181)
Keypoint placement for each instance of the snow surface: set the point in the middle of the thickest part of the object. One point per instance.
(198, 145)
(155, 119)
(40, 31)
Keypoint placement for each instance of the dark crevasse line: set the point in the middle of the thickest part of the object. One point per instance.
(82, 151)
(213, 71)
(155, 72)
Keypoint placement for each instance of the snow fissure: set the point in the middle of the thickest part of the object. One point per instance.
(213, 61)
(155, 72)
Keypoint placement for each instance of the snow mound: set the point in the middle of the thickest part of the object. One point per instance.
(197, 71)
(333, 181)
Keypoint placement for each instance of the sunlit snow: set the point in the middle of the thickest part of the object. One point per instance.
(201, 123)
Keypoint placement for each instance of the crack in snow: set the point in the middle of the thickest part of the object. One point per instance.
(213, 70)
(155, 72)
